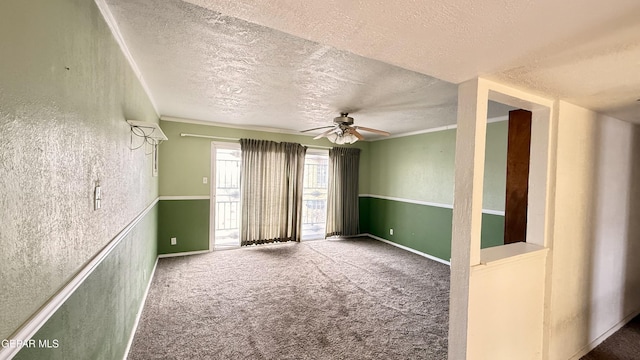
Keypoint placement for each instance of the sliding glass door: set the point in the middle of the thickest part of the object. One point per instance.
(226, 195)
(314, 195)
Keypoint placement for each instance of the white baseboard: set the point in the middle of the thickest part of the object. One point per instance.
(183, 253)
(409, 249)
(139, 314)
(592, 345)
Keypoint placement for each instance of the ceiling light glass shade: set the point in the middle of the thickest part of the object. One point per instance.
(350, 138)
(340, 139)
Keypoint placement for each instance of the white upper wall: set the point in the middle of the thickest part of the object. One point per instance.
(595, 281)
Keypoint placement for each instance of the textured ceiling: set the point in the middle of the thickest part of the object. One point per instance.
(584, 51)
(246, 62)
(202, 65)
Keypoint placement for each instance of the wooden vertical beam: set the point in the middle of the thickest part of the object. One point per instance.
(518, 158)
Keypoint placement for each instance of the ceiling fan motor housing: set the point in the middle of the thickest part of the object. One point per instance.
(344, 119)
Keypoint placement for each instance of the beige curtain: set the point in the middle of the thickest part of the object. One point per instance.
(342, 202)
(271, 191)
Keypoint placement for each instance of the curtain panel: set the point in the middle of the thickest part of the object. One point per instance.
(271, 191)
(342, 199)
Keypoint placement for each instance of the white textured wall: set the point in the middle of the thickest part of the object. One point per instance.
(506, 311)
(65, 92)
(595, 280)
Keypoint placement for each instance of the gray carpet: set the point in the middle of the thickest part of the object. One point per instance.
(624, 344)
(326, 299)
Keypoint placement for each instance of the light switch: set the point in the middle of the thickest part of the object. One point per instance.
(97, 197)
(205, 180)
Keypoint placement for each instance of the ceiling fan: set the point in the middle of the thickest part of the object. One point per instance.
(343, 131)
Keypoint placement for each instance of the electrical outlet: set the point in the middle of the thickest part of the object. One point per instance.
(174, 241)
(390, 231)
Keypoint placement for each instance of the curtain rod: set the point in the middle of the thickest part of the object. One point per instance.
(209, 137)
(237, 139)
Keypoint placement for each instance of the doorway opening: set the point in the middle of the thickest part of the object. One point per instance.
(226, 195)
(226, 163)
(314, 195)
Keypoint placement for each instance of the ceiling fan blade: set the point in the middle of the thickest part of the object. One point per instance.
(318, 128)
(324, 134)
(355, 133)
(376, 131)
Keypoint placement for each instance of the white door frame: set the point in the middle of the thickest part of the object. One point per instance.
(324, 152)
(215, 145)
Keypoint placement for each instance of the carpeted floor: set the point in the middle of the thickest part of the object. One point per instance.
(326, 299)
(624, 344)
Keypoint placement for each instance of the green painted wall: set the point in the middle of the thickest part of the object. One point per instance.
(66, 90)
(184, 161)
(492, 233)
(421, 227)
(495, 166)
(418, 167)
(187, 221)
(97, 320)
(421, 167)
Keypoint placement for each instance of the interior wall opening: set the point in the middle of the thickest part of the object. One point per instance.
(506, 175)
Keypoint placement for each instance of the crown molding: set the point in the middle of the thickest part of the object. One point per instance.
(291, 132)
(439, 128)
(115, 31)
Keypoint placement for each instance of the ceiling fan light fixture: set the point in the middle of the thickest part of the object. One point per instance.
(350, 138)
(340, 139)
(343, 132)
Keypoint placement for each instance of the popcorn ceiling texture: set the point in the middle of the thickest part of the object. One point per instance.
(579, 50)
(204, 65)
(65, 93)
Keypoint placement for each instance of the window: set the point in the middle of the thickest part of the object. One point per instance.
(314, 195)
